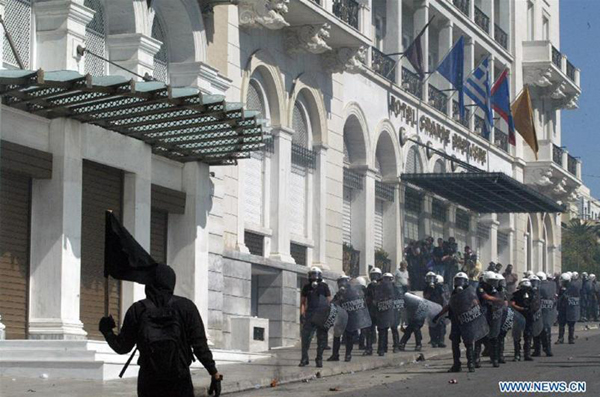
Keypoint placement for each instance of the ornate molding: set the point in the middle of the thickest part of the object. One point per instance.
(552, 183)
(541, 77)
(351, 60)
(309, 38)
(263, 13)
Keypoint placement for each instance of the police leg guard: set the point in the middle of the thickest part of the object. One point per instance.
(321, 345)
(537, 346)
(547, 342)
(527, 348)
(561, 334)
(571, 333)
(456, 366)
(501, 359)
(477, 353)
(382, 333)
(361, 339)
(493, 347)
(418, 339)
(442, 336)
(306, 335)
(368, 342)
(349, 346)
(396, 339)
(335, 354)
(517, 345)
(470, 357)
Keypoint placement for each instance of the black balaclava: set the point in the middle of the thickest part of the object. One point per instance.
(161, 289)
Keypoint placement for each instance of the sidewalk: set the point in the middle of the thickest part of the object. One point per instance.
(282, 367)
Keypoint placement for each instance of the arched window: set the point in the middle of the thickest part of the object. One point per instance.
(413, 162)
(439, 166)
(161, 58)
(300, 124)
(18, 18)
(301, 155)
(95, 39)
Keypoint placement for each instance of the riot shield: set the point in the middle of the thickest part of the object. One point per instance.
(324, 315)
(508, 318)
(341, 321)
(467, 310)
(418, 310)
(548, 302)
(496, 317)
(518, 326)
(573, 304)
(399, 310)
(384, 301)
(358, 314)
(536, 309)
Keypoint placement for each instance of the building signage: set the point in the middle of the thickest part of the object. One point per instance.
(437, 131)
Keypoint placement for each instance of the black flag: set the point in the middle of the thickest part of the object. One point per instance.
(124, 258)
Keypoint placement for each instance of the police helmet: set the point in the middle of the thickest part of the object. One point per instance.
(461, 280)
(388, 276)
(565, 276)
(535, 281)
(592, 276)
(439, 279)
(343, 280)
(525, 284)
(315, 274)
(542, 276)
(361, 281)
(584, 275)
(574, 276)
(375, 274)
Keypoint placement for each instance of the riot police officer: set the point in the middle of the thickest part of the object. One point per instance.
(568, 307)
(315, 296)
(522, 301)
(547, 290)
(384, 300)
(493, 303)
(585, 283)
(371, 333)
(435, 291)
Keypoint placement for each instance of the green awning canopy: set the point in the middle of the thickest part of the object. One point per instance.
(182, 124)
(485, 192)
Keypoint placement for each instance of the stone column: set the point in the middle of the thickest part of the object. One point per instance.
(319, 212)
(392, 227)
(420, 20)
(60, 26)
(538, 255)
(133, 51)
(425, 217)
(444, 45)
(56, 239)
(188, 238)
(472, 234)
(401, 191)
(280, 223)
(450, 225)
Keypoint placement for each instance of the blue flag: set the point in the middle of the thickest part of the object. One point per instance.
(501, 103)
(452, 68)
(478, 87)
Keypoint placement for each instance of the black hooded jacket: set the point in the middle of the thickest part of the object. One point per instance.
(160, 292)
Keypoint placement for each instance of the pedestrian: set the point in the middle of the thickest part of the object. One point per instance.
(402, 278)
(585, 294)
(593, 299)
(315, 297)
(522, 301)
(167, 330)
(472, 267)
(511, 280)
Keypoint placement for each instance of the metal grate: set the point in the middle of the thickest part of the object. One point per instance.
(300, 126)
(347, 11)
(255, 243)
(95, 39)
(500, 36)
(353, 179)
(571, 165)
(18, 20)
(456, 114)
(556, 58)
(557, 153)
(483, 232)
(462, 220)
(412, 201)
(304, 157)
(438, 210)
(413, 162)
(298, 252)
(462, 5)
(501, 139)
(437, 98)
(482, 20)
(502, 238)
(411, 83)
(383, 64)
(570, 71)
(161, 58)
(384, 191)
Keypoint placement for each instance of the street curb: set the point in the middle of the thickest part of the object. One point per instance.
(315, 373)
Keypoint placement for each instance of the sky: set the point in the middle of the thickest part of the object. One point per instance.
(580, 42)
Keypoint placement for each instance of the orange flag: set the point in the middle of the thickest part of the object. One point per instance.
(524, 122)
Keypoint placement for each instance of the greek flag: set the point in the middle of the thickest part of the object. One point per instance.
(478, 88)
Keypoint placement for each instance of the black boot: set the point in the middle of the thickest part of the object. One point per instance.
(305, 339)
(381, 342)
(517, 344)
(335, 354)
(477, 354)
(321, 345)
(396, 340)
(471, 357)
(547, 343)
(571, 334)
(456, 367)
(537, 347)
(561, 334)
(493, 347)
(527, 348)
(368, 342)
(349, 347)
(501, 359)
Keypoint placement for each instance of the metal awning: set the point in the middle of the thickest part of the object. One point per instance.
(485, 192)
(182, 124)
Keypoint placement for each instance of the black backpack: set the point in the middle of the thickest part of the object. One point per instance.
(162, 341)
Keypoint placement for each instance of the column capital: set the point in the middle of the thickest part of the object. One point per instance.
(133, 51)
(199, 74)
(282, 132)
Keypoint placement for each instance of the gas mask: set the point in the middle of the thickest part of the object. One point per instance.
(314, 284)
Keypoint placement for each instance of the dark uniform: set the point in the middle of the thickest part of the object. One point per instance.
(316, 297)
(193, 336)
(438, 294)
(371, 332)
(524, 298)
(455, 338)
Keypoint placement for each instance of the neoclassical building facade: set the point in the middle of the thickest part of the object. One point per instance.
(345, 120)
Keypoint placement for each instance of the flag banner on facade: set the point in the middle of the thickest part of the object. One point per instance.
(414, 52)
(501, 103)
(478, 88)
(124, 257)
(524, 121)
(452, 68)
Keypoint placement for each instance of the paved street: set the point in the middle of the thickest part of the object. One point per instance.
(580, 362)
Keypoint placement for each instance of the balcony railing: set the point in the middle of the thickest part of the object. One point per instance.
(500, 36)
(479, 125)
(456, 114)
(482, 20)
(351, 261)
(570, 71)
(462, 5)
(572, 165)
(557, 153)
(347, 11)
(411, 82)
(556, 58)
(437, 99)
(501, 139)
(382, 64)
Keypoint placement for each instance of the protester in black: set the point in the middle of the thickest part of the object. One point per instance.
(164, 327)
(522, 301)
